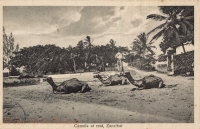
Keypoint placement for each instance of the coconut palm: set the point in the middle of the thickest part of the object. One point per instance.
(112, 43)
(140, 45)
(179, 21)
(72, 56)
(111, 51)
(88, 44)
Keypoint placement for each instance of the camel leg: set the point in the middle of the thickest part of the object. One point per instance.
(128, 81)
(53, 91)
(83, 89)
(123, 81)
(160, 84)
(109, 84)
(141, 87)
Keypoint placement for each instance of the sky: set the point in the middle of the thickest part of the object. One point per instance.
(67, 25)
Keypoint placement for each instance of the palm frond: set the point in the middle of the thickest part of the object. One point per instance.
(189, 25)
(188, 18)
(168, 33)
(142, 38)
(137, 44)
(152, 47)
(183, 27)
(159, 34)
(150, 42)
(150, 50)
(177, 36)
(157, 28)
(187, 10)
(156, 17)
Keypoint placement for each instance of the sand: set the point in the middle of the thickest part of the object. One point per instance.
(113, 104)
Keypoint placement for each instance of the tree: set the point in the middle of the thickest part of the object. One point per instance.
(112, 43)
(42, 59)
(89, 46)
(17, 48)
(178, 21)
(140, 45)
(79, 50)
(73, 56)
(112, 52)
(8, 49)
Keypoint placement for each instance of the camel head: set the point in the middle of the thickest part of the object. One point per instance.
(129, 77)
(51, 82)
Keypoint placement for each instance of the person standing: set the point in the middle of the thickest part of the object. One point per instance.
(119, 57)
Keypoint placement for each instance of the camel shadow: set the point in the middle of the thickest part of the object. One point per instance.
(171, 86)
(167, 86)
(89, 90)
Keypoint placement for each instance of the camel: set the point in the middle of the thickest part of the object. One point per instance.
(69, 86)
(148, 82)
(115, 79)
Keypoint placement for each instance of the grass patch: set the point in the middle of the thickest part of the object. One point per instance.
(9, 81)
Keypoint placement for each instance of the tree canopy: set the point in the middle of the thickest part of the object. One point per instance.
(178, 23)
(51, 58)
(8, 49)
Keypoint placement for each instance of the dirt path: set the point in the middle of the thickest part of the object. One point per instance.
(103, 104)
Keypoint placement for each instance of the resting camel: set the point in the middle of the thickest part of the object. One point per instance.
(113, 80)
(148, 82)
(69, 86)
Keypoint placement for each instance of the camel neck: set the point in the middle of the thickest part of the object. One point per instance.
(53, 85)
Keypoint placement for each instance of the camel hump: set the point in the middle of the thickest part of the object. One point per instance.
(151, 75)
(74, 79)
(72, 82)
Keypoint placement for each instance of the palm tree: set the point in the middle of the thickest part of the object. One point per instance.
(88, 43)
(72, 56)
(112, 52)
(89, 46)
(179, 21)
(112, 43)
(140, 45)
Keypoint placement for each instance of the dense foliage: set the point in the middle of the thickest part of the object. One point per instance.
(51, 58)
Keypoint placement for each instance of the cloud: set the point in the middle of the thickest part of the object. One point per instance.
(136, 21)
(122, 8)
(91, 21)
(39, 19)
(67, 25)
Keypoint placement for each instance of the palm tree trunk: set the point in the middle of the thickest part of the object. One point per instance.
(74, 65)
(183, 47)
(85, 65)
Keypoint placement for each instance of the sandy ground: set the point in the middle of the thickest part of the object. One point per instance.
(114, 104)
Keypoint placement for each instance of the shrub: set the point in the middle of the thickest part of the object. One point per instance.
(110, 69)
(14, 71)
(80, 70)
(62, 71)
(20, 82)
(26, 76)
(183, 62)
(162, 68)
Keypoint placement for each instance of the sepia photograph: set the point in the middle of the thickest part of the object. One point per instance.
(98, 64)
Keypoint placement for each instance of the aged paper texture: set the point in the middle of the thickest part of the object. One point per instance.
(100, 64)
